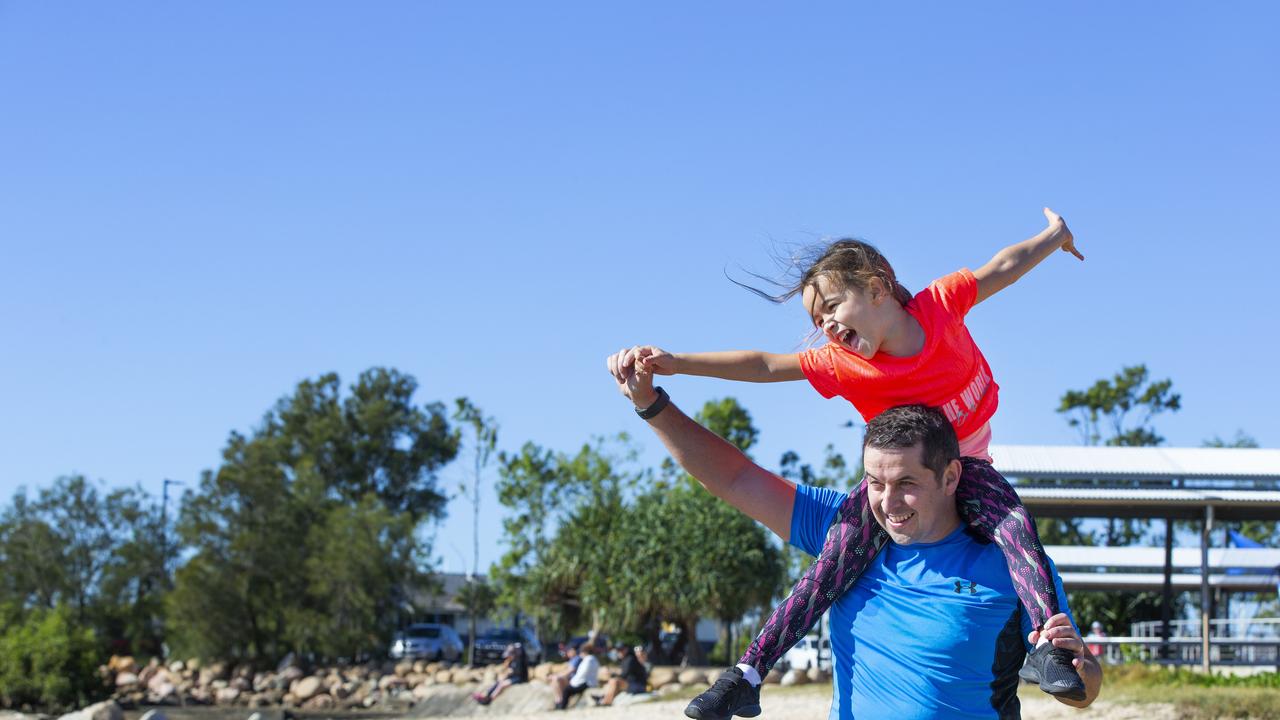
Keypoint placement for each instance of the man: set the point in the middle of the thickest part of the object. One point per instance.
(933, 628)
(587, 675)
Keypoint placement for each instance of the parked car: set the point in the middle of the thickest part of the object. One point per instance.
(490, 645)
(429, 641)
(809, 653)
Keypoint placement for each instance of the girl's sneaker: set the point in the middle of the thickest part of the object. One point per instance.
(1051, 668)
(730, 695)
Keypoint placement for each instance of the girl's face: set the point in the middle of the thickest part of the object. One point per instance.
(849, 317)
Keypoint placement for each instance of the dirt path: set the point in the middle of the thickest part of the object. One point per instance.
(816, 705)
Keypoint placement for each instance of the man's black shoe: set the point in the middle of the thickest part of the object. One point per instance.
(1051, 668)
(730, 695)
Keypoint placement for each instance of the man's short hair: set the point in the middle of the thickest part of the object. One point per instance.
(906, 426)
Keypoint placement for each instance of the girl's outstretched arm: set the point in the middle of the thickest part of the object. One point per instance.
(1014, 261)
(743, 365)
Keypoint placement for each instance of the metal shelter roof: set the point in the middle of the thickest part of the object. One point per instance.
(1145, 482)
(1169, 464)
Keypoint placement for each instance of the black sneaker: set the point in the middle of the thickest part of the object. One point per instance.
(730, 695)
(1051, 668)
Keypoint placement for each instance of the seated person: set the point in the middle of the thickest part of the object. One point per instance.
(587, 675)
(632, 678)
(515, 670)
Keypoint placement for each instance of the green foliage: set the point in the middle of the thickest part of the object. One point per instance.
(1115, 412)
(305, 539)
(586, 550)
(47, 660)
(96, 553)
(1107, 404)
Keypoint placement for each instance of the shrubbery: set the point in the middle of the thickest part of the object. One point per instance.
(46, 660)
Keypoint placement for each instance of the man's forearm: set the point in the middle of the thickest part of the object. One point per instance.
(725, 471)
(709, 458)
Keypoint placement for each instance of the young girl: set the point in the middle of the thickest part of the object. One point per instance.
(885, 348)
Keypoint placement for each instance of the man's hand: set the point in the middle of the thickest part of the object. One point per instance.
(1059, 631)
(1060, 229)
(633, 384)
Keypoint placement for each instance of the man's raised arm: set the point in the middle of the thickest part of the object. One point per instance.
(721, 468)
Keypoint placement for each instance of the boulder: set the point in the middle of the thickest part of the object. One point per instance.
(692, 677)
(105, 710)
(319, 702)
(818, 675)
(227, 696)
(773, 678)
(305, 688)
(126, 679)
(661, 676)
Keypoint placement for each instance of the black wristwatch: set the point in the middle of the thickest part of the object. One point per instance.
(658, 405)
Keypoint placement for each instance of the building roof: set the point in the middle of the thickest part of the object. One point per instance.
(1150, 502)
(1168, 464)
(1144, 482)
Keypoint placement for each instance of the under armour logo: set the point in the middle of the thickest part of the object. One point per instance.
(973, 587)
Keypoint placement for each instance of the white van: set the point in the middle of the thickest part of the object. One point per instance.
(809, 653)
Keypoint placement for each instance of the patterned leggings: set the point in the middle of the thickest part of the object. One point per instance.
(986, 503)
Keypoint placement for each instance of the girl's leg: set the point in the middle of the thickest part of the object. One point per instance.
(989, 504)
(852, 541)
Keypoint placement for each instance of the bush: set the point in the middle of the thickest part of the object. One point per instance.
(46, 660)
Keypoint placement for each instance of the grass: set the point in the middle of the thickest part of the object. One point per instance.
(1195, 696)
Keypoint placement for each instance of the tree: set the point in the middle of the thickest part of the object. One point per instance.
(1115, 412)
(484, 433)
(305, 538)
(96, 552)
(1107, 404)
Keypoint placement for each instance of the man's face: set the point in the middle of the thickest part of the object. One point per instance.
(907, 498)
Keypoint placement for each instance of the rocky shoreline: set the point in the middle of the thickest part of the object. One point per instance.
(397, 688)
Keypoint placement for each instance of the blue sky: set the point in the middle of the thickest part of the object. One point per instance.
(202, 204)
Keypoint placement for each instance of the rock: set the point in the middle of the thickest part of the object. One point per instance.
(661, 676)
(305, 688)
(105, 710)
(818, 675)
(122, 664)
(421, 692)
(404, 668)
(389, 682)
(795, 676)
(291, 673)
(125, 679)
(420, 667)
(444, 676)
(177, 666)
(692, 677)
(161, 693)
(193, 664)
(773, 678)
(319, 702)
(227, 696)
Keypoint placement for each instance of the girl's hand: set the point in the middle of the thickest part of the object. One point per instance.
(654, 360)
(1059, 226)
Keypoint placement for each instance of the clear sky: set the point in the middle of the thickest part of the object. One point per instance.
(203, 203)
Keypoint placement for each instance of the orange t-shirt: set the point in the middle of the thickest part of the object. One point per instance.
(949, 373)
